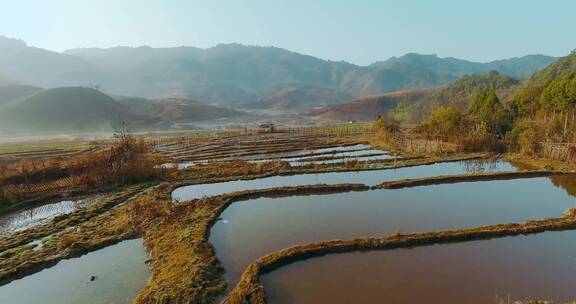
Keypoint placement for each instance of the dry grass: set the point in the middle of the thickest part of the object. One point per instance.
(126, 161)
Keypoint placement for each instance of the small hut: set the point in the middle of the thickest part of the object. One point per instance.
(266, 127)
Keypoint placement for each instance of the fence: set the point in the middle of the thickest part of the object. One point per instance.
(32, 189)
(334, 130)
(560, 151)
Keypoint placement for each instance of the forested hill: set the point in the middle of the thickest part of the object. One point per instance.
(552, 89)
(458, 94)
(413, 105)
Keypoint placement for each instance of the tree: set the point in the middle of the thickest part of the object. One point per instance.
(485, 106)
(444, 122)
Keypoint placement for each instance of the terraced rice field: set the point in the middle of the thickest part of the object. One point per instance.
(402, 229)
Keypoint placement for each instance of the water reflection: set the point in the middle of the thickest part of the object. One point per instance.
(108, 276)
(481, 165)
(257, 227)
(525, 267)
(25, 219)
(566, 182)
(371, 177)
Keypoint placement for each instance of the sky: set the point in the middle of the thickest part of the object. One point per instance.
(359, 31)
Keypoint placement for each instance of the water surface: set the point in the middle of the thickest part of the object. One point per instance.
(24, 219)
(120, 273)
(372, 177)
(251, 229)
(525, 267)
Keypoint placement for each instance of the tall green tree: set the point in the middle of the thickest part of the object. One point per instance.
(486, 106)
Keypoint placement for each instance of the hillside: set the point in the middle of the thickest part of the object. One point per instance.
(300, 97)
(6, 81)
(78, 109)
(23, 64)
(553, 88)
(9, 94)
(412, 106)
(175, 110)
(458, 94)
(62, 109)
(367, 108)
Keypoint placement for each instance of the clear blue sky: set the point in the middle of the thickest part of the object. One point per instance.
(360, 31)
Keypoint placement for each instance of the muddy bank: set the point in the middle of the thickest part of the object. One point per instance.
(462, 178)
(249, 289)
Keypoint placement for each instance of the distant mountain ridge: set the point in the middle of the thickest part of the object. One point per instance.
(237, 75)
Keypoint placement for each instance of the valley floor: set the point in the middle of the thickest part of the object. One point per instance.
(175, 217)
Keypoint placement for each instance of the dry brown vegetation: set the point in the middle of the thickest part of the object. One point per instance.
(126, 161)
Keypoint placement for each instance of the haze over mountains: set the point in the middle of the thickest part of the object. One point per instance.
(26, 109)
(93, 89)
(236, 75)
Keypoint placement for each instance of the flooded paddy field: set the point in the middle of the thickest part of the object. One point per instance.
(370, 177)
(496, 271)
(251, 229)
(294, 190)
(24, 219)
(257, 148)
(299, 158)
(249, 147)
(114, 274)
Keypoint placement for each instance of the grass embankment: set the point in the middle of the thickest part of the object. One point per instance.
(249, 289)
(461, 178)
(224, 171)
(184, 266)
(526, 162)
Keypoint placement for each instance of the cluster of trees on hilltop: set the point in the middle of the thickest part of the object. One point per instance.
(459, 94)
(542, 109)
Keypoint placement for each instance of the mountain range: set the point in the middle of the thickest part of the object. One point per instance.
(238, 76)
